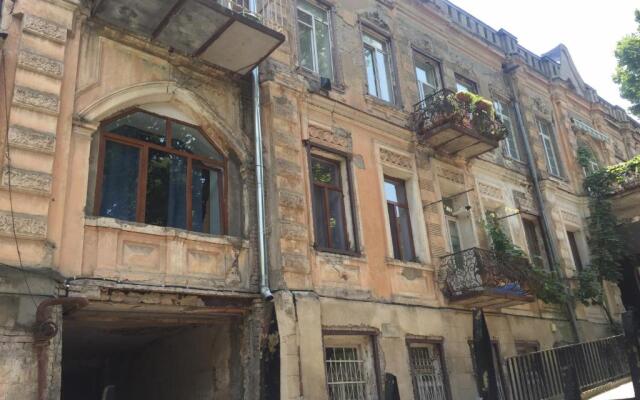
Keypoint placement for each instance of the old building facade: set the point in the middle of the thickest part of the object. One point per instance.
(131, 193)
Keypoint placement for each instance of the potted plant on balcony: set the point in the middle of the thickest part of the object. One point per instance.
(465, 101)
(483, 117)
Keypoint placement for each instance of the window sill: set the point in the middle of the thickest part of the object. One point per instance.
(369, 98)
(339, 253)
(409, 264)
(136, 227)
(314, 79)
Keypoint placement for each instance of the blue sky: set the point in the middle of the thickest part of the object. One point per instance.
(590, 29)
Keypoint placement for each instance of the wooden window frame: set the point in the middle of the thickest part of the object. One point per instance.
(143, 167)
(314, 52)
(467, 82)
(419, 60)
(389, 65)
(397, 227)
(353, 245)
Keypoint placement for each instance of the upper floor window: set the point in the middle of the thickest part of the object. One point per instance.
(550, 147)
(428, 77)
(503, 112)
(314, 39)
(162, 172)
(377, 63)
(535, 245)
(465, 85)
(331, 199)
(575, 251)
(399, 219)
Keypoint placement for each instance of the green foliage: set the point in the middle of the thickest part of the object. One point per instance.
(589, 290)
(627, 73)
(585, 156)
(545, 285)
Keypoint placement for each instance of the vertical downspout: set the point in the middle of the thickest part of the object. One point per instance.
(508, 70)
(259, 168)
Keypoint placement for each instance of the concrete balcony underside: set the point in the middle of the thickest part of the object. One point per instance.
(196, 28)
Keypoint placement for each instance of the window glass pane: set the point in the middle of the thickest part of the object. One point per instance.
(393, 223)
(376, 44)
(140, 125)
(383, 75)
(406, 239)
(305, 36)
(166, 190)
(336, 220)
(190, 140)
(324, 172)
(395, 191)
(317, 12)
(205, 200)
(120, 181)
(427, 80)
(454, 236)
(323, 48)
(371, 72)
(345, 374)
(427, 370)
(304, 17)
(577, 261)
(320, 217)
(533, 244)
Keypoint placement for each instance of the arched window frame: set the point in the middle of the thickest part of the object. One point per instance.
(143, 165)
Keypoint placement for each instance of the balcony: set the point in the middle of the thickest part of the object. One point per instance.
(223, 33)
(457, 124)
(477, 278)
(626, 192)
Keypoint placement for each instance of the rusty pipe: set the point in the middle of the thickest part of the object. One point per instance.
(44, 330)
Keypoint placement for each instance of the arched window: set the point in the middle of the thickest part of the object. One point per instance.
(159, 171)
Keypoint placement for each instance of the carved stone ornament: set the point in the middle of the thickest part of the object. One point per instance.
(451, 176)
(38, 63)
(44, 101)
(339, 138)
(524, 202)
(26, 180)
(396, 159)
(44, 28)
(541, 106)
(31, 139)
(570, 217)
(490, 190)
(26, 225)
(376, 19)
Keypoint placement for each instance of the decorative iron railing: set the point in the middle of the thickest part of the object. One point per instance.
(628, 180)
(537, 376)
(462, 109)
(479, 270)
(272, 13)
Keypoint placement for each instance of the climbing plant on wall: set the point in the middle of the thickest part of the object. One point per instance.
(545, 285)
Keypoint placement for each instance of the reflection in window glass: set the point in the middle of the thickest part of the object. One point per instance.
(166, 190)
(314, 40)
(140, 126)
(189, 139)
(377, 65)
(120, 181)
(399, 219)
(205, 201)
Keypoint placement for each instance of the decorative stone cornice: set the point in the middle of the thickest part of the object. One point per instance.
(489, 190)
(31, 139)
(396, 159)
(26, 225)
(450, 175)
(31, 98)
(44, 28)
(570, 217)
(22, 179)
(38, 63)
(339, 138)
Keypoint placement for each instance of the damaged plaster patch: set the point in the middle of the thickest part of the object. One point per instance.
(411, 273)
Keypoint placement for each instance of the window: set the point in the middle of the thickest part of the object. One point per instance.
(503, 112)
(162, 172)
(549, 145)
(532, 235)
(577, 261)
(331, 201)
(314, 39)
(399, 220)
(378, 67)
(349, 368)
(453, 228)
(427, 370)
(428, 77)
(465, 85)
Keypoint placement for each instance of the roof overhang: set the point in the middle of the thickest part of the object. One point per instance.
(197, 28)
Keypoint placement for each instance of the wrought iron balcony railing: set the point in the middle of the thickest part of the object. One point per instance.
(477, 277)
(629, 180)
(457, 123)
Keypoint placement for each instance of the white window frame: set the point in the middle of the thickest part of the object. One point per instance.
(549, 146)
(511, 143)
(364, 347)
(378, 45)
(314, 42)
(420, 64)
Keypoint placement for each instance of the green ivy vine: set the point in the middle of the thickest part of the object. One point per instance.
(545, 285)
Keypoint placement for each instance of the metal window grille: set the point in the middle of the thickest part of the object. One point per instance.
(345, 374)
(428, 376)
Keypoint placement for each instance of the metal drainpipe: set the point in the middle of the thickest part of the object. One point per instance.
(259, 166)
(508, 70)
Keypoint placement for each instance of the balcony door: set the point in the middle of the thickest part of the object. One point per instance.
(428, 79)
(455, 240)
